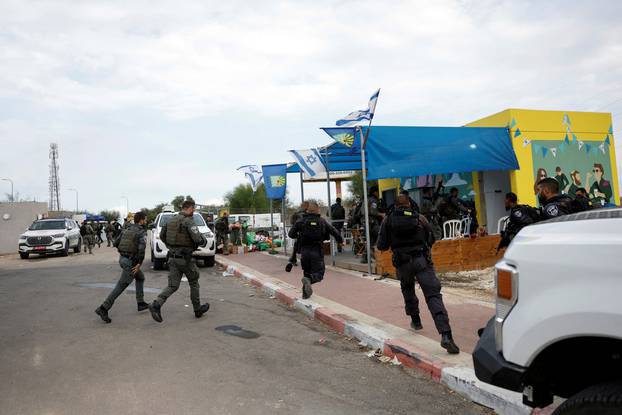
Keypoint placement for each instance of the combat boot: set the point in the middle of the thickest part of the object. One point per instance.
(447, 343)
(103, 313)
(288, 267)
(202, 310)
(416, 322)
(307, 291)
(142, 306)
(154, 308)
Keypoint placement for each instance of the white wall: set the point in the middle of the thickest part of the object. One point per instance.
(15, 218)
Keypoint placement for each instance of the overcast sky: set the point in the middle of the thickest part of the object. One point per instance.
(151, 99)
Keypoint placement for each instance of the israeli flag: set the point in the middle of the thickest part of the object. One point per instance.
(310, 161)
(253, 173)
(356, 117)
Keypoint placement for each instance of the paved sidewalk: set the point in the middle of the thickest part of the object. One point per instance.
(379, 299)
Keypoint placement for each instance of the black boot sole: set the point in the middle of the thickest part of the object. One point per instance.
(155, 314)
(451, 348)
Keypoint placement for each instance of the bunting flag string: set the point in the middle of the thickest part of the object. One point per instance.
(517, 133)
(526, 142)
(553, 151)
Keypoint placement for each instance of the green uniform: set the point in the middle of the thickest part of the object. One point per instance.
(109, 233)
(244, 232)
(235, 236)
(181, 236)
(222, 234)
(131, 246)
(88, 238)
(602, 186)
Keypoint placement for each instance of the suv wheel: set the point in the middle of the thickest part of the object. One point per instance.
(78, 247)
(24, 255)
(604, 399)
(209, 261)
(65, 252)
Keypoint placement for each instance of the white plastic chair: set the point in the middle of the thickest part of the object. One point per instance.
(465, 226)
(451, 229)
(502, 223)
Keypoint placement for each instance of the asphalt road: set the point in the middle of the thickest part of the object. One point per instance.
(58, 357)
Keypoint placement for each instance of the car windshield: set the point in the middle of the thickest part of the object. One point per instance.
(47, 224)
(164, 219)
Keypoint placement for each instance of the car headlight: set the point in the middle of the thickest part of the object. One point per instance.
(23, 237)
(58, 235)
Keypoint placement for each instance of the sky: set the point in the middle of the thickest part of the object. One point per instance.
(151, 99)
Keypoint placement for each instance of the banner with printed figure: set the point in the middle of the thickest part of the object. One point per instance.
(275, 180)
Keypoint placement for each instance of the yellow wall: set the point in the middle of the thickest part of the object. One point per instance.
(535, 125)
(387, 184)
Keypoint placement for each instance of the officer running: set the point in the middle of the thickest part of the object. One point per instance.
(87, 232)
(338, 216)
(131, 245)
(519, 217)
(182, 237)
(553, 204)
(298, 215)
(410, 237)
(109, 233)
(310, 232)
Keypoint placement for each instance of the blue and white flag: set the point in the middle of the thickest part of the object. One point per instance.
(346, 136)
(356, 117)
(253, 174)
(275, 180)
(310, 161)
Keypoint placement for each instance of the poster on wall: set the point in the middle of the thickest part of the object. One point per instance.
(575, 165)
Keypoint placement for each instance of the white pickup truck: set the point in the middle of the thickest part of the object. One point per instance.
(558, 324)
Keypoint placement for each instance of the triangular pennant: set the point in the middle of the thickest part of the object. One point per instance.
(513, 123)
(517, 133)
(611, 129)
(587, 148)
(601, 146)
(580, 144)
(566, 139)
(544, 151)
(566, 120)
(554, 151)
(526, 142)
(607, 140)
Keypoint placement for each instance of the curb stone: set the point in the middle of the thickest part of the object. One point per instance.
(460, 379)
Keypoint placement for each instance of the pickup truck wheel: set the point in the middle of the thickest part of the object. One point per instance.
(209, 261)
(604, 399)
(24, 255)
(65, 252)
(158, 263)
(78, 247)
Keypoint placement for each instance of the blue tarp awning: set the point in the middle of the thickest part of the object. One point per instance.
(418, 151)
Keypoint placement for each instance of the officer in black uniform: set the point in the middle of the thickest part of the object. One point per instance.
(182, 237)
(311, 231)
(519, 217)
(410, 237)
(131, 245)
(338, 216)
(582, 201)
(295, 218)
(552, 203)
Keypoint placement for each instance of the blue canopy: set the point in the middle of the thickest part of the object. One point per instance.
(417, 151)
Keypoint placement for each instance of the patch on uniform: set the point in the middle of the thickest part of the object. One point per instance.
(313, 223)
(194, 229)
(407, 213)
(373, 205)
(518, 214)
(552, 210)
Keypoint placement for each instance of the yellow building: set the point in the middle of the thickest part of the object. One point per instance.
(577, 148)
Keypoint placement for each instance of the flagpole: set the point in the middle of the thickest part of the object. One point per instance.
(330, 215)
(302, 188)
(284, 238)
(365, 204)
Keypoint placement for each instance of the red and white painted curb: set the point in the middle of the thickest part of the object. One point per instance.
(459, 378)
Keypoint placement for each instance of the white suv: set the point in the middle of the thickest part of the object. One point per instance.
(205, 256)
(50, 236)
(558, 325)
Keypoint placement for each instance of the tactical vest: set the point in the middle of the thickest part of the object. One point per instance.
(406, 231)
(128, 243)
(177, 233)
(312, 231)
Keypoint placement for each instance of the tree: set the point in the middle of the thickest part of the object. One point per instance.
(110, 215)
(356, 185)
(152, 213)
(178, 200)
(242, 199)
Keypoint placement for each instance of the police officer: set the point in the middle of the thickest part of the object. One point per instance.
(310, 232)
(376, 214)
(410, 237)
(87, 232)
(553, 204)
(117, 228)
(222, 233)
(99, 228)
(131, 245)
(109, 233)
(338, 216)
(298, 215)
(519, 217)
(182, 237)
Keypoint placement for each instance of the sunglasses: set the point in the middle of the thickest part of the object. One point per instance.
(596, 171)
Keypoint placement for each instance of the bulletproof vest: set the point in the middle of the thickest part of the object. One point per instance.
(177, 233)
(83, 230)
(558, 206)
(406, 231)
(128, 243)
(312, 230)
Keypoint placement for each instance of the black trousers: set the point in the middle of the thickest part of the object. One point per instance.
(422, 270)
(312, 261)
